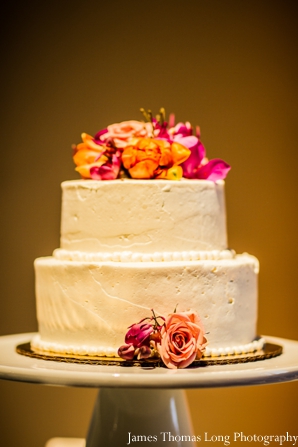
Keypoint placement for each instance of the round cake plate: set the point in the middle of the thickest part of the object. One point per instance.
(14, 366)
(125, 389)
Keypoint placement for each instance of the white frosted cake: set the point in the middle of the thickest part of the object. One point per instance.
(144, 248)
(131, 245)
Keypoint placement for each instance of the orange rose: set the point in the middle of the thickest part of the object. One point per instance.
(152, 158)
(182, 340)
(87, 152)
(90, 157)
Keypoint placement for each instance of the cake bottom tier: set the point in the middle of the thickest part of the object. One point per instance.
(85, 308)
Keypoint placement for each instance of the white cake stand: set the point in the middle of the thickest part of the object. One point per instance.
(143, 401)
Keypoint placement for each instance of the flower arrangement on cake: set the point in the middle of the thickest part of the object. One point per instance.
(178, 339)
(150, 149)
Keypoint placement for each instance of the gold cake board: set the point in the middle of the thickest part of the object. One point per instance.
(268, 351)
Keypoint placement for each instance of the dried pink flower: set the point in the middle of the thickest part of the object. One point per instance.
(126, 352)
(143, 352)
(139, 334)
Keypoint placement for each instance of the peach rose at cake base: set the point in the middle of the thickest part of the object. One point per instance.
(182, 340)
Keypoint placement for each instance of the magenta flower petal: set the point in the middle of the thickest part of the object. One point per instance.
(162, 133)
(139, 334)
(183, 129)
(107, 171)
(197, 154)
(188, 141)
(97, 137)
(104, 172)
(161, 130)
(126, 352)
(215, 169)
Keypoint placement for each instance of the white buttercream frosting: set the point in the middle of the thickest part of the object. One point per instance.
(93, 303)
(143, 216)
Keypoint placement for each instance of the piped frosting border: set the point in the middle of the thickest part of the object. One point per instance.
(129, 256)
(41, 345)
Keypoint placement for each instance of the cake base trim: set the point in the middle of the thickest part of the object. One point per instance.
(269, 350)
(39, 345)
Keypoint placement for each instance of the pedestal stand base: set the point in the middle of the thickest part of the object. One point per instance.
(142, 401)
(126, 416)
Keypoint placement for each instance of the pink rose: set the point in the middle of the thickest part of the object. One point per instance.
(182, 340)
(122, 133)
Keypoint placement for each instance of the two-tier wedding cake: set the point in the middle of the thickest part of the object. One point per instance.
(145, 228)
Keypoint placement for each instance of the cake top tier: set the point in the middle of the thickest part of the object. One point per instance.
(143, 216)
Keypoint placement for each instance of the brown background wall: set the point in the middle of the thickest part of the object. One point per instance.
(73, 66)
